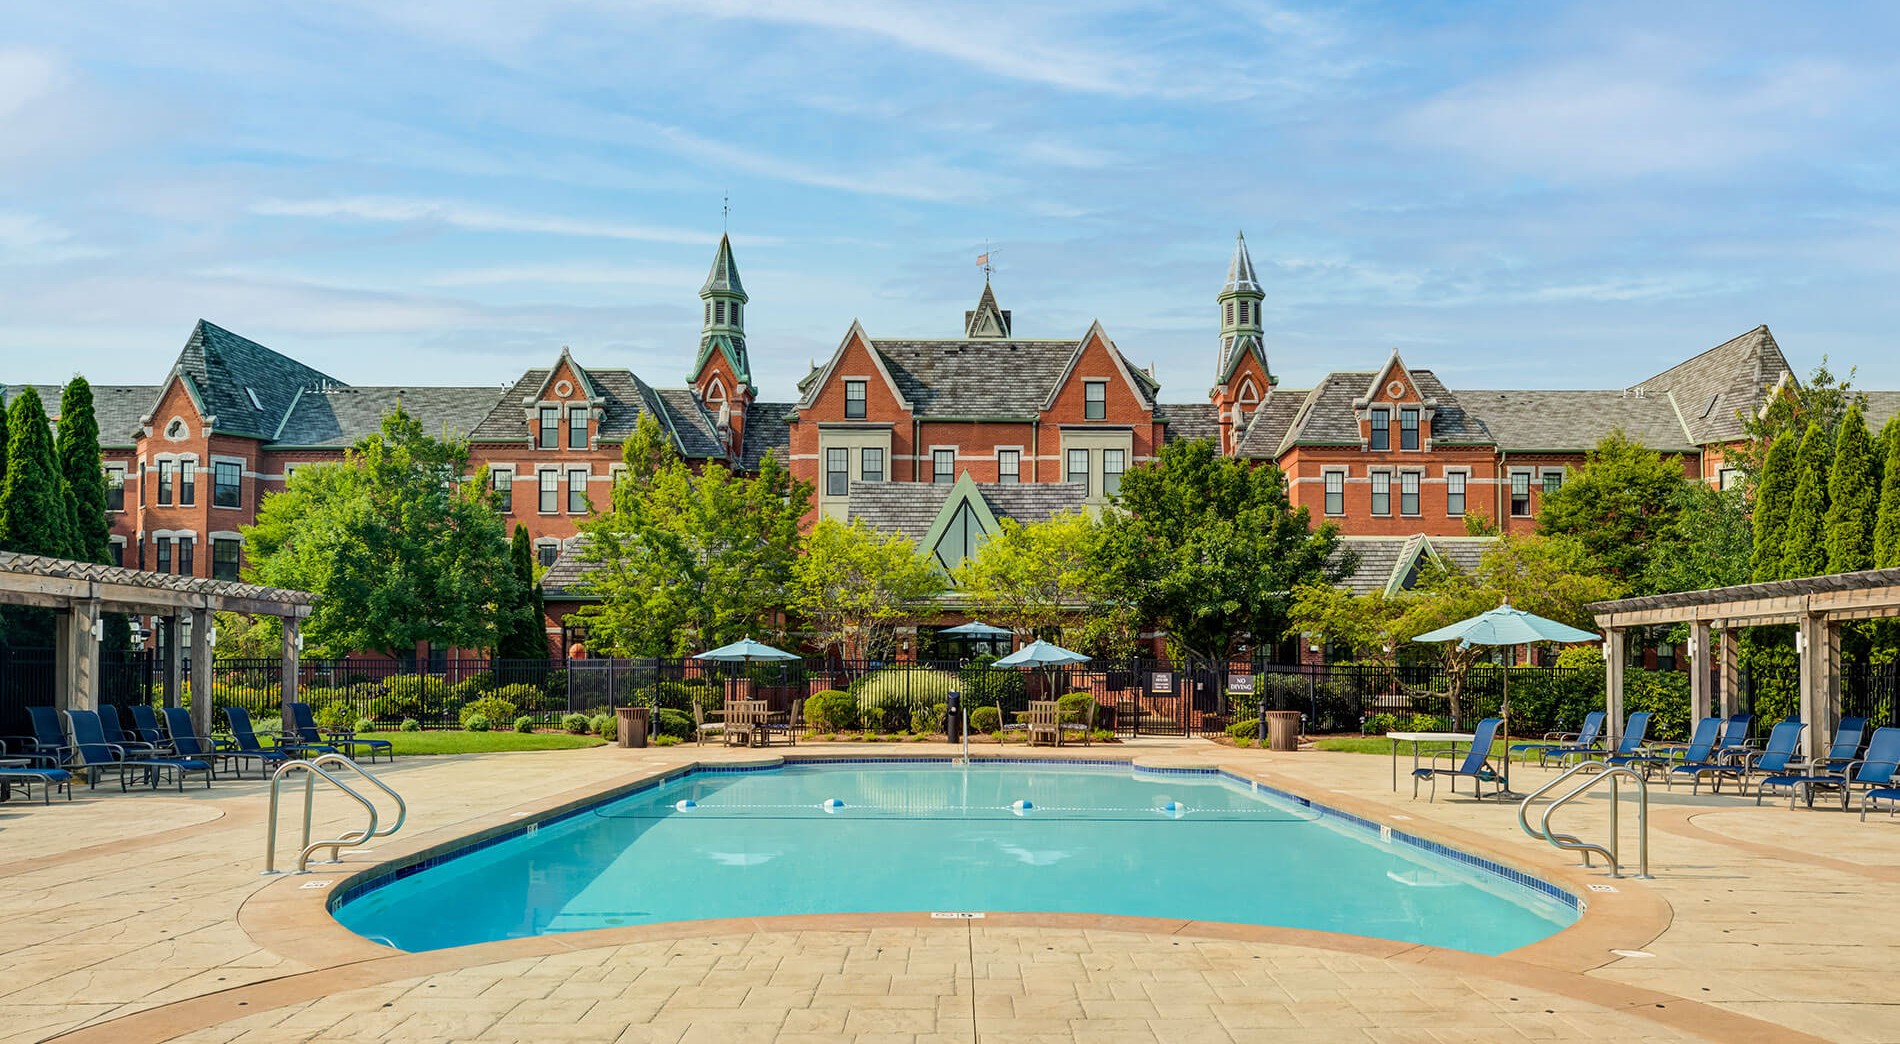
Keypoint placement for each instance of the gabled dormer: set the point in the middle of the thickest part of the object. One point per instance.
(961, 525)
(1393, 413)
(565, 411)
(987, 320)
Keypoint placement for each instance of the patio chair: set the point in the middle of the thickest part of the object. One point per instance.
(244, 741)
(186, 743)
(1877, 794)
(793, 724)
(1476, 764)
(1701, 744)
(1783, 740)
(703, 728)
(1630, 745)
(1875, 771)
(146, 729)
(745, 720)
(1086, 727)
(1735, 736)
(26, 778)
(98, 755)
(312, 738)
(110, 725)
(1043, 723)
(1585, 738)
(47, 746)
(1849, 737)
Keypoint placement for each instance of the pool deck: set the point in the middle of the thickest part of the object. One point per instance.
(134, 917)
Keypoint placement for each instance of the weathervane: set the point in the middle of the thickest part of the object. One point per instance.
(983, 261)
(725, 212)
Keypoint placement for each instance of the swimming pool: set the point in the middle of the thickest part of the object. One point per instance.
(868, 837)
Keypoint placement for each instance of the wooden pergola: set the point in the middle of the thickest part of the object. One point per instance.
(1817, 605)
(81, 592)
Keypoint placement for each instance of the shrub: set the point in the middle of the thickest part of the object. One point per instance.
(892, 691)
(524, 724)
(1424, 723)
(575, 723)
(476, 723)
(983, 683)
(891, 715)
(411, 725)
(606, 726)
(473, 686)
(364, 725)
(831, 711)
(1380, 724)
(1245, 729)
(673, 723)
(666, 741)
(929, 720)
(494, 708)
(986, 719)
(418, 696)
(1665, 695)
(334, 715)
(522, 696)
(1073, 708)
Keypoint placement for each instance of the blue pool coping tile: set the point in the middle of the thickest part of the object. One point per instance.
(1531, 883)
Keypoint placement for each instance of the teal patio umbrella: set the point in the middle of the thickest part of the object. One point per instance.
(977, 629)
(746, 650)
(1041, 654)
(1506, 626)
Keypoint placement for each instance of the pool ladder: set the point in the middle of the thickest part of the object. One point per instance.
(1596, 772)
(312, 769)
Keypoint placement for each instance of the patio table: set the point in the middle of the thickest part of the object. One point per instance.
(1443, 739)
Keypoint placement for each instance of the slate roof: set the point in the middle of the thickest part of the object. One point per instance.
(1882, 406)
(568, 570)
(338, 417)
(975, 378)
(117, 408)
(767, 429)
(1387, 563)
(1326, 417)
(624, 398)
(223, 365)
(910, 507)
(1268, 426)
(694, 427)
(1575, 421)
(1715, 390)
(1189, 420)
(1240, 269)
(724, 277)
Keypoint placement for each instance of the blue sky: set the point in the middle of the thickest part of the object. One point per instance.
(1548, 195)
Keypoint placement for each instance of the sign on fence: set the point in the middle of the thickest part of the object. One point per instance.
(1161, 681)
(1240, 684)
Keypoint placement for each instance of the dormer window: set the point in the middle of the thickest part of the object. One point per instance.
(577, 427)
(854, 400)
(550, 428)
(1408, 429)
(1380, 436)
(1095, 400)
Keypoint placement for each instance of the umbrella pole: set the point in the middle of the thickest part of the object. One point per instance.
(1504, 712)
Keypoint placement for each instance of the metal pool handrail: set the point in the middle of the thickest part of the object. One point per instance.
(312, 769)
(402, 807)
(1599, 771)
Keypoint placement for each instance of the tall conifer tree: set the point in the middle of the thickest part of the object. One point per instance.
(1804, 548)
(81, 466)
(1774, 494)
(1887, 519)
(528, 639)
(34, 518)
(1853, 497)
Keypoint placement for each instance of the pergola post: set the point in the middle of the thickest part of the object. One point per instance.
(1613, 658)
(201, 671)
(1731, 670)
(82, 651)
(1700, 699)
(174, 660)
(290, 671)
(63, 659)
(1820, 676)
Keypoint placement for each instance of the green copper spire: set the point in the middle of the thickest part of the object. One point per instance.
(723, 329)
(1240, 327)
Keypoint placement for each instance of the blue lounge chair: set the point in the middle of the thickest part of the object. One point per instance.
(1584, 738)
(110, 726)
(145, 726)
(47, 779)
(1698, 750)
(244, 741)
(1629, 745)
(1783, 741)
(1875, 771)
(1880, 794)
(98, 755)
(186, 743)
(307, 734)
(1734, 736)
(47, 746)
(1477, 763)
(1849, 737)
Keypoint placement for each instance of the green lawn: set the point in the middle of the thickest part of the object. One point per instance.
(1381, 745)
(450, 742)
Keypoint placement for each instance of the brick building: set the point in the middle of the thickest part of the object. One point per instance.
(1394, 456)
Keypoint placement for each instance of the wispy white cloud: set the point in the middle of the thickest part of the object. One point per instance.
(31, 239)
(470, 217)
(570, 274)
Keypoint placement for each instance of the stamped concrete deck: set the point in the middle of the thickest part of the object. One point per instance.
(130, 917)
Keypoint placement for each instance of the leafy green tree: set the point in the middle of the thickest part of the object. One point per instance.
(34, 516)
(683, 562)
(1211, 548)
(1774, 499)
(1804, 547)
(1853, 497)
(1887, 518)
(852, 585)
(525, 636)
(1625, 495)
(85, 477)
(398, 545)
(1030, 577)
(1708, 544)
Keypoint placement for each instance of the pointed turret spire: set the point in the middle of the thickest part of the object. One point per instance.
(986, 320)
(1240, 269)
(1240, 326)
(723, 329)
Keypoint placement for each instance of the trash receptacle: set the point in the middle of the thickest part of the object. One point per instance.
(630, 726)
(1283, 730)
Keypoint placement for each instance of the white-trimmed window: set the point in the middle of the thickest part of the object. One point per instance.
(117, 550)
(1520, 494)
(1379, 436)
(162, 553)
(1077, 468)
(1009, 466)
(227, 483)
(837, 471)
(1114, 463)
(187, 483)
(1728, 478)
(166, 469)
(1455, 492)
(1382, 493)
(502, 480)
(550, 428)
(187, 566)
(1408, 492)
(546, 551)
(871, 464)
(1094, 400)
(1408, 429)
(225, 554)
(577, 427)
(943, 466)
(115, 487)
(550, 480)
(577, 490)
(854, 400)
(1335, 492)
(1553, 481)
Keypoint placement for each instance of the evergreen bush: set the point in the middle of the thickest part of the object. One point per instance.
(674, 723)
(476, 723)
(411, 725)
(1244, 729)
(524, 724)
(606, 726)
(575, 723)
(494, 708)
(986, 719)
(832, 711)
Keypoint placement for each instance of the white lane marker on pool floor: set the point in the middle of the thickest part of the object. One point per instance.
(955, 915)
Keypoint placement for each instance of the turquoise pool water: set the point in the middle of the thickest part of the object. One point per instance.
(937, 837)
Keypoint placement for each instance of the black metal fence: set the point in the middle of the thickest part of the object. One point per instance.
(30, 678)
(389, 692)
